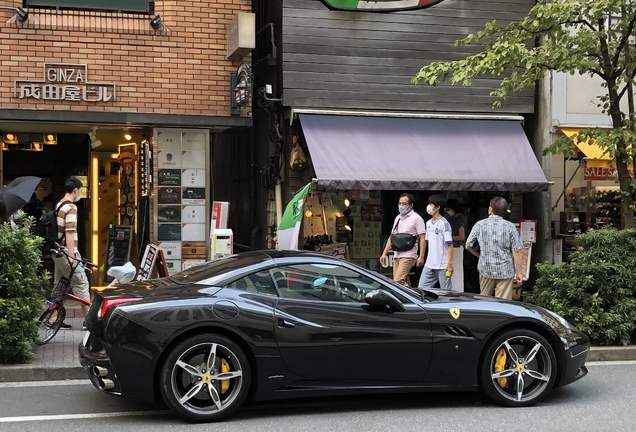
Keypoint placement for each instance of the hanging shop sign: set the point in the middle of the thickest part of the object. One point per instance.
(379, 5)
(64, 82)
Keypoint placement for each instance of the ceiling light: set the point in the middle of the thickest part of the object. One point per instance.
(10, 138)
(347, 227)
(347, 203)
(37, 146)
(309, 213)
(127, 136)
(50, 139)
(156, 23)
(5, 147)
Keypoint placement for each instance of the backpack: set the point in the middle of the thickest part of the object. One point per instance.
(47, 227)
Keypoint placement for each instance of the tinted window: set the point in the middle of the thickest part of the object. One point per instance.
(259, 282)
(215, 271)
(323, 282)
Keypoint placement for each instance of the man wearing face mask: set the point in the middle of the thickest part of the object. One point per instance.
(67, 232)
(407, 222)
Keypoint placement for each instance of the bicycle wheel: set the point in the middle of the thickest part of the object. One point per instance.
(49, 324)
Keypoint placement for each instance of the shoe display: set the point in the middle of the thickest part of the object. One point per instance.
(65, 326)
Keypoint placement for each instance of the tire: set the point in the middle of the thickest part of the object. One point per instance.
(49, 324)
(195, 394)
(518, 368)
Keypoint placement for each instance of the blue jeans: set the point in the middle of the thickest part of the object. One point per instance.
(430, 276)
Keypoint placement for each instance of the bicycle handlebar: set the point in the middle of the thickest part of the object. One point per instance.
(83, 261)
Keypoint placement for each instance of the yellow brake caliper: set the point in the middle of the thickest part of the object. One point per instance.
(225, 367)
(500, 364)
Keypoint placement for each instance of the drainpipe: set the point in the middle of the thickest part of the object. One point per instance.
(253, 201)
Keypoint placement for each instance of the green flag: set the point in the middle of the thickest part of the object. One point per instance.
(289, 227)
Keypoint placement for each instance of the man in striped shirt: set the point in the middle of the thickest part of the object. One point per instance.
(500, 251)
(67, 233)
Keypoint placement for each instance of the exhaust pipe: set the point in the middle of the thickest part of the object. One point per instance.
(99, 371)
(106, 384)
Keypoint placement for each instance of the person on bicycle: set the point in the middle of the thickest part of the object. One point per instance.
(67, 232)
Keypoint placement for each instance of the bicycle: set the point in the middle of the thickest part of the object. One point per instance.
(51, 319)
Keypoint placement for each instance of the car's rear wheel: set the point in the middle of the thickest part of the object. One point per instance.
(205, 378)
(49, 324)
(518, 368)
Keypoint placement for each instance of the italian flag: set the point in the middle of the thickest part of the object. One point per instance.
(289, 227)
(379, 4)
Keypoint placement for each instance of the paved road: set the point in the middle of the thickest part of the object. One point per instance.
(604, 401)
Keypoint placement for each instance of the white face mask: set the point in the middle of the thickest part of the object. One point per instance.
(451, 213)
(78, 197)
(430, 209)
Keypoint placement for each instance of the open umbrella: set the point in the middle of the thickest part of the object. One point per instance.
(18, 193)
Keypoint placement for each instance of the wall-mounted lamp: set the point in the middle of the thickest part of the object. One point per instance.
(9, 138)
(156, 23)
(20, 14)
(50, 139)
(127, 136)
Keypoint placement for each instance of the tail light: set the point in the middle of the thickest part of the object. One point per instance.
(110, 303)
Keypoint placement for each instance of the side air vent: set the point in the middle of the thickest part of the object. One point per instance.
(457, 331)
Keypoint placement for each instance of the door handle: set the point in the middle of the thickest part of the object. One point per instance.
(283, 323)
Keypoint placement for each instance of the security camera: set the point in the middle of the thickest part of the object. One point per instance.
(156, 23)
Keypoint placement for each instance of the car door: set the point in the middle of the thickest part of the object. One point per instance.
(326, 330)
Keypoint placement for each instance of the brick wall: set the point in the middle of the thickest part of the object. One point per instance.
(181, 69)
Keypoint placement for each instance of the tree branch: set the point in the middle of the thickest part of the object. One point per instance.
(624, 40)
(628, 84)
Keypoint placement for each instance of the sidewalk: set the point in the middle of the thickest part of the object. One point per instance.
(59, 359)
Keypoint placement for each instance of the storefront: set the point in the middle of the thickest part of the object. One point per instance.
(590, 196)
(363, 163)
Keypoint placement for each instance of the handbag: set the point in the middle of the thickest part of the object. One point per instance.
(402, 242)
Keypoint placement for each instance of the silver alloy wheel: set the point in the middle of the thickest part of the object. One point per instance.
(196, 378)
(527, 369)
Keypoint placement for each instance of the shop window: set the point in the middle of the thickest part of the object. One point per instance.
(136, 6)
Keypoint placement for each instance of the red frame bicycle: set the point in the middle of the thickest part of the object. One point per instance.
(51, 319)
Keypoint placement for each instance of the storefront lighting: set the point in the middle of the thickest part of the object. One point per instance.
(36, 146)
(50, 139)
(5, 147)
(127, 136)
(309, 213)
(347, 203)
(156, 23)
(347, 227)
(9, 138)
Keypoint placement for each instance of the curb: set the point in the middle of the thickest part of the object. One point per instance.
(30, 372)
(612, 353)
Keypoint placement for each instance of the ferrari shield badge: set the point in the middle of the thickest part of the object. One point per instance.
(454, 312)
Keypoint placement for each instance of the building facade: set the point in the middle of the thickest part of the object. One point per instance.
(135, 99)
(341, 92)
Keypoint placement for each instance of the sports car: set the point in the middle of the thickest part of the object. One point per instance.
(268, 325)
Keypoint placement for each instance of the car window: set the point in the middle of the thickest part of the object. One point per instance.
(214, 271)
(323, 282)
(260, 282)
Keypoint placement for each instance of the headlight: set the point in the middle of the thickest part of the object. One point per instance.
(560, 325)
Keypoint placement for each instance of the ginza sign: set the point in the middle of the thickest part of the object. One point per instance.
(65, 82)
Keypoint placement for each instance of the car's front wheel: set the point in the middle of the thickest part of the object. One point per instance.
(518, 368)
(205, 378)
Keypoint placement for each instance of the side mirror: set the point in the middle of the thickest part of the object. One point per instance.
(384, 298)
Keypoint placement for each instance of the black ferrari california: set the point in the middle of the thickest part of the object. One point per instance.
(270, 325)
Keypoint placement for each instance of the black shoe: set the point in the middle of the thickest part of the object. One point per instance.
(65, 326)
(83, 325)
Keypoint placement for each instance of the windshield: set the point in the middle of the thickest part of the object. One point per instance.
(214, 271)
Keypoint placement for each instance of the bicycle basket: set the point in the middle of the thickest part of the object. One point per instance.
(58, 290)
